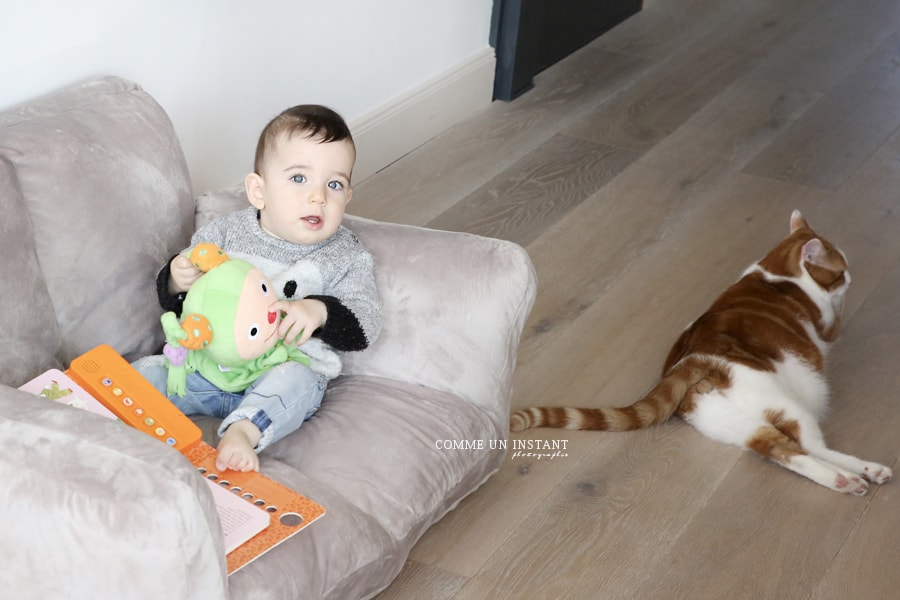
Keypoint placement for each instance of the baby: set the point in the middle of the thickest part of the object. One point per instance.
(323, 276)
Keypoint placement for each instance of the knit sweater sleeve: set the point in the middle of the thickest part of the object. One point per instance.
(342, 331)
(167, 300)
(354, 310)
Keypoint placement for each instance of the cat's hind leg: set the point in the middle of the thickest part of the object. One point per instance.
(769, 442)
(870, 471)
(812, 440)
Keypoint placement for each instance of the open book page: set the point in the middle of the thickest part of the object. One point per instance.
(56, 385)
(240, 519)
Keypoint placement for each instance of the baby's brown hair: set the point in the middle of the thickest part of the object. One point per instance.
(313, 121)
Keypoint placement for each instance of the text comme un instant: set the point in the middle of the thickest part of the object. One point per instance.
(529, 445)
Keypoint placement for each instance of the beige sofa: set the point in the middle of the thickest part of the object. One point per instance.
(94, 196)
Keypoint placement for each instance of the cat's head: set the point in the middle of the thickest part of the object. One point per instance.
(808, 256)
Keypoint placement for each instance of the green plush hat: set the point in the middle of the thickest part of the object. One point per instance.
(216, 295)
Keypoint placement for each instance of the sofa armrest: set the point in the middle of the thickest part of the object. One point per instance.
(454, 306)
(95, 509)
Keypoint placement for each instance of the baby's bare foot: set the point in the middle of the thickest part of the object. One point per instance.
(235, 449)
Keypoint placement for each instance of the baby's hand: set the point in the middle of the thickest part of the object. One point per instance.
(182, 274)
(300, 318)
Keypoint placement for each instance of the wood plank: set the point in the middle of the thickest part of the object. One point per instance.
(480, 526)
(673, 89)
(747, 543)
(445, 170)
(663, 28)
(537, 191)
(417, 581)
(866, 566)
(606, 524)
(843, 129)
(740, 122)
(832, 43)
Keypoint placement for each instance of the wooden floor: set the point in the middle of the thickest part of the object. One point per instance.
(643, 174)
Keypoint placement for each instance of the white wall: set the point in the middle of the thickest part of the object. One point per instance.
(399, 71)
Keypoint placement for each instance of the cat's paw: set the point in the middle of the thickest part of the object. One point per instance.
(876, 473)
(850, 485)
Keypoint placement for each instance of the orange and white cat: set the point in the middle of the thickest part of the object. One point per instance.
(749, 371)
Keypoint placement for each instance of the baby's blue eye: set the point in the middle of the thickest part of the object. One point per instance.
(335, 185)
(299, 178)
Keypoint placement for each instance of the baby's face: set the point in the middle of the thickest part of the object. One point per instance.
(306, 188)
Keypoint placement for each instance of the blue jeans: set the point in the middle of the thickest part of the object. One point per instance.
(277, 403)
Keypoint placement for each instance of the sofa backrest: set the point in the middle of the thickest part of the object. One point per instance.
(96, 196)
(30, 332)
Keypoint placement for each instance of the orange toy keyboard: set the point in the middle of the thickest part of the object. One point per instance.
(115, 383)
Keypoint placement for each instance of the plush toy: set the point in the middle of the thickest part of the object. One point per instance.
(229, 332)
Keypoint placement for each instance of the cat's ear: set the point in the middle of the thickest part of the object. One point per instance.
(814, 252)
(798, 222)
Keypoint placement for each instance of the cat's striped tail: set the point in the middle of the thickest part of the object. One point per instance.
(688, 376)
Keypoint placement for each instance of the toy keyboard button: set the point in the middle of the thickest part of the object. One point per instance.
(117, 391)
(160, 431)
(106, 382)
(149, 422)
(139, 411)
(171, 441)
(127, 401)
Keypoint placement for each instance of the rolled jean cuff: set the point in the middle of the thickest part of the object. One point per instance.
(256, 416)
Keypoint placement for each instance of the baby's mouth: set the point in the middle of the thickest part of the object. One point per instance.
(313, 220)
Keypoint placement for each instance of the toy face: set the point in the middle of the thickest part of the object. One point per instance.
(256, 322)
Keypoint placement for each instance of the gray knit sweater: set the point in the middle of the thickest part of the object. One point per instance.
(338, 271)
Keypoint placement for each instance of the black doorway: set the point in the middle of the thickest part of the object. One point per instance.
(531, 35)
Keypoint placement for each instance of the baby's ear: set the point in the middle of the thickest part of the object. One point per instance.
(255, 187)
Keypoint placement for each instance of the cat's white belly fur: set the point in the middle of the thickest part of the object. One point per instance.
(734, 414)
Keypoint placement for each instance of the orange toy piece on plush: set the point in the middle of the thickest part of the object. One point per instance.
(206, 255)
(198, 330)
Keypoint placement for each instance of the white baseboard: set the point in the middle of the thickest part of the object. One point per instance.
(399, 126)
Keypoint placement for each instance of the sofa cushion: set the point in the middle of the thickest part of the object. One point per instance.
(99, 164)
(399, 452)
(30, 333)
(345, 554)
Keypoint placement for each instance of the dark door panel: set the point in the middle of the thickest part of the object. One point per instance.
(531, 35)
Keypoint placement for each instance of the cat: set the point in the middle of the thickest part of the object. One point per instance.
(749, 371)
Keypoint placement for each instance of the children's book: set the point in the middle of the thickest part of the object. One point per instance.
(286, 512)
(256, 512)
(56, 385)
(238, 523)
